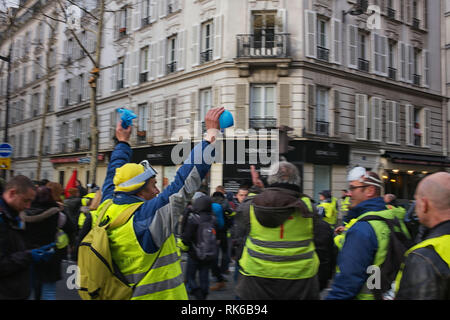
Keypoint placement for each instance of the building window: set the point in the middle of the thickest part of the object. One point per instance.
(121, 74)
(392, 52)
(323, 53)
(31, 143)
(416, 64)
(170, 120)
(35, 105)
(146, 12)
(122, 22)
(143, 126)
(47, 140)
(264, 31)
(205, 105)
(363, 63)
(172, 55)
(263, 107)
(207, 42)
(321, 120)
(144, 69)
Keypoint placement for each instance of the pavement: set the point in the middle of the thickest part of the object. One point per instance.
(65, 288)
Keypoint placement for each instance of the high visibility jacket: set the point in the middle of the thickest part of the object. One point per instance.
(381, 231)
(158, 275)
(440, 244)
(284, 252)
(345, 203)
(330, 216)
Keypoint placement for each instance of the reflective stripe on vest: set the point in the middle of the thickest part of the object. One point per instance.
(285, 252)
(381, 229)
(156, 276)
(345, 203)
(440, 244)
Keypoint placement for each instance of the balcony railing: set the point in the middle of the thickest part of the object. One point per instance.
(206, 56)
(392, 73)
(322, 128)
(416, 79)
(323, 53)
(416, 23)
(120, 84)
(363, 65)
(251, 46)
(391, 13)
(171, 67)
(143, 77)
(263, 123)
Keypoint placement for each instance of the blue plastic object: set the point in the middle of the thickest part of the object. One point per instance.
(127, 117)
(226, 119)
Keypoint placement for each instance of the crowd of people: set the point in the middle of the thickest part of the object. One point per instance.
(281, 243)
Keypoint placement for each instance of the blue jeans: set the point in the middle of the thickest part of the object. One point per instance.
(200, 290)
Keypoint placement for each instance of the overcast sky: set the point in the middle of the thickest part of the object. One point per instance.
(8, 3)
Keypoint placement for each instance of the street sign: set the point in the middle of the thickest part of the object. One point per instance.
(5, 163)
(5, 150)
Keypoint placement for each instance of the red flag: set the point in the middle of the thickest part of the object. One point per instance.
(71, 183)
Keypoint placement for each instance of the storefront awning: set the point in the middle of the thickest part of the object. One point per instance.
(418, 159)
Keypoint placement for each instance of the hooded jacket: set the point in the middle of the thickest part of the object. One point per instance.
(15, 260)
(272, 207)
(202, 207)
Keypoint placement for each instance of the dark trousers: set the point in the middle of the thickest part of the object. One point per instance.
(201, 290)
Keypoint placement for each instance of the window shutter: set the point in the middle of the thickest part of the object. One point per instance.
(410, 72)
(376, 129)
(390, 122)
(136, 15)
(162, 8)
(153, 10)
(194, 114)
(336, 111)
(218, 31)
(195, 45)
(336, 45)
(241, 116)
(181, 61)
(281, 24)
(426, 68)
(114, 77)
(285, 104)
(134, 76)
(310, 117)
(153, 60)
(361, 109)
(162, 58)
(402, 59)
(409, 118)
(353, 46)
(310, 27)
(426, 133)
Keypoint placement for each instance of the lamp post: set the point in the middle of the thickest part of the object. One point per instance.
(8, 76)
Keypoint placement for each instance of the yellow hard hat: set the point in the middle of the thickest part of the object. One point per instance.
(132, 176)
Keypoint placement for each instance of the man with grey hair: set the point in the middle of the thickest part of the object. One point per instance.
(425, 274)
(279, 259)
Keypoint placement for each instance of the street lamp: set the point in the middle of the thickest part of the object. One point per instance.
(357, 9)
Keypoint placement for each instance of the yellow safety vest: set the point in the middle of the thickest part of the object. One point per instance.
(345, 203)
(440, 244)
(284, 252)
(158, 275)
(330, 212)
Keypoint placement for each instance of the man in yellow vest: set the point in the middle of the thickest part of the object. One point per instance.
(144, 248)
(426, 271)
(365, 243)
(279, 259)
(344, 204)
(327, 208)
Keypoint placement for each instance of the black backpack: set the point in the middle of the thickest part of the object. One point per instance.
(398, 245)
(205, 245)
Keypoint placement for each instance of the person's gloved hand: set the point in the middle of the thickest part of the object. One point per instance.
(43, 253)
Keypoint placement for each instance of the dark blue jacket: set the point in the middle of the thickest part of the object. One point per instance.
(357, 254)
(155, 220)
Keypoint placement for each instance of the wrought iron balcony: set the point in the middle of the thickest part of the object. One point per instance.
(143, 77)
(416, 79)
(391, 13)
(323, 53)
(416, 23)
(392, 73)
(171, 67)
(363, 65)
(322, 128)
(274, 46)
(263, 123)
(206, 56)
